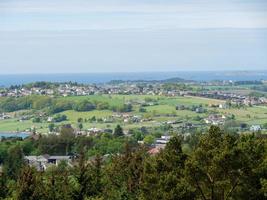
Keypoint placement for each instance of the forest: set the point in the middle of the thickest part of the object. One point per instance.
(217, 166)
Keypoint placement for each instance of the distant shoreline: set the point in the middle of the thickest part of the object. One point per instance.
(100, 78)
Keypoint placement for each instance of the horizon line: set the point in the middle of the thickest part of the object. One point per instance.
(124, 72)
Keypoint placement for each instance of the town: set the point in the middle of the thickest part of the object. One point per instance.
(238, 92)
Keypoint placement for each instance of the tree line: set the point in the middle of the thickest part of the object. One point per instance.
(55, 105)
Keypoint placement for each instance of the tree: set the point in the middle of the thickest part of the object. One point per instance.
(60, 118)
(149, 139)
(80, 126)
(80, 180)
(3, 186)
(123, 174)
(164, 176)
(14, 162)
(84, 105)
(36, 120)
(29, 185)
(86, 179)
(80, 120)
(221, 166)
(142, 109)
(56, 182)
(51, 127)
(68, 137)
(118, 131)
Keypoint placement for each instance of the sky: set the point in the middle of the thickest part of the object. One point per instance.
(83, 36)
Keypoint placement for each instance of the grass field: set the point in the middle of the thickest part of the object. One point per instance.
(160, 112)
(15, 125)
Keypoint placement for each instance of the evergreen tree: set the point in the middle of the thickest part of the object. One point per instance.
(56, 181)
(86, 178)
(29, 186)
(80, 126)
(118, 131)
(123, 174)
(3, 186)
(14, 162)
(221, 168)
(164, 175)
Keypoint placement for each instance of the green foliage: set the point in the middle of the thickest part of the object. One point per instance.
(3, 186)
(60, 105)
(80, 126)
(123, 174)
(84, 105)
(28, 187)
(221, 166)
(164, 176)
(149, 139)
(142, 109)
(51, 127)
(118, 131)
(217, 166)
(36, 120)
(13, 104)
(59, 118)
(106, 144)
(86, 178)
(13, 162)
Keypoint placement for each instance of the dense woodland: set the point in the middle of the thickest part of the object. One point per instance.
(217, 165)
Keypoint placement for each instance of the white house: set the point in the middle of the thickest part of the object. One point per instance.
(255, 128)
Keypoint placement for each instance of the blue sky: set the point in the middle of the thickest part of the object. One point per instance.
(51, 36)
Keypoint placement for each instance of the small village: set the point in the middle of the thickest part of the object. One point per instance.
(139, 88)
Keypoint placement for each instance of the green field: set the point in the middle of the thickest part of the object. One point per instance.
(162, 112)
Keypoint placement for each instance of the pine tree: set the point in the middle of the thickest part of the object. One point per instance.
(3, 186)
(14, 162)
(123, 174)
(223, 167)
(164, 176)
(118, 131)
(29, 186)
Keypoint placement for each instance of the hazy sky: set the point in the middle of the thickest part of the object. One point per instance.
(46, 36)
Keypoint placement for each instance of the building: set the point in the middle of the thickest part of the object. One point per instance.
(159, 144)
(42, 162)
(215, 119)
(255, 128)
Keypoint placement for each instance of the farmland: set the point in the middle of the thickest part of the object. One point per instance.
(159, 110)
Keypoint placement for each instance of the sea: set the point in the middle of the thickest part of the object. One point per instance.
(87, 78)
(8, 135)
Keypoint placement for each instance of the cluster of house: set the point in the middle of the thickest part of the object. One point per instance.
(130, 88)
(42, 162)
(4, 116)
(233, 97)
(90, 89)
(215, 119)
(197, 109)
(127, 118)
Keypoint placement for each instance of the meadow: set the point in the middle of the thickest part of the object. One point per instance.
(164, 110)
